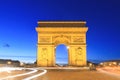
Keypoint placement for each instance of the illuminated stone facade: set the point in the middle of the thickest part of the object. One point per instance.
(53, 33)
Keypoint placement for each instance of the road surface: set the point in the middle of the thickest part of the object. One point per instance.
(55, 74)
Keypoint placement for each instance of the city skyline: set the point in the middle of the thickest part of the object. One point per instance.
(18, 20)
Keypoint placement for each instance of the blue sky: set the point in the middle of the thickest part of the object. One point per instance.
(18, 19)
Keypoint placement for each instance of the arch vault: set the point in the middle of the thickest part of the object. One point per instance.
(70, 33)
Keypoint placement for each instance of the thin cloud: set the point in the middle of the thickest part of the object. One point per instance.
(6, 45)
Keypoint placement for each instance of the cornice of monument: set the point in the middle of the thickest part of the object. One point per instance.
(62, 24)
(61, 21)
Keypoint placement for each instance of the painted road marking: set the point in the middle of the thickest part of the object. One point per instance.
(34, 76)
(33, 71)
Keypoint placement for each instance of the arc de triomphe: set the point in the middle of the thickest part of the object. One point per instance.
(53, 33)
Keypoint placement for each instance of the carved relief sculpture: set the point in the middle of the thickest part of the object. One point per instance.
(44, 54)
(44, 39)
(79, 57)
(78, 54)
(78, 39)
(61, 39)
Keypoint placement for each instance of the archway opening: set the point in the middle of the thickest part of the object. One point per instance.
(61, 55)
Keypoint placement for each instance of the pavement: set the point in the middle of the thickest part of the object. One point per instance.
(61, 73)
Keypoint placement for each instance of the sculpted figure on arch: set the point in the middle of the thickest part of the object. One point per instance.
(44, 53)
(78, 53)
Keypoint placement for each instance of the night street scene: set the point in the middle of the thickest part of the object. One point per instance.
(59, 40)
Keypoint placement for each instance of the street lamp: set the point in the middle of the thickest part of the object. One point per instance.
(9, 62)
(101, 64)
(90, 64)
(21, 64)
(68, 47)
(115, 63)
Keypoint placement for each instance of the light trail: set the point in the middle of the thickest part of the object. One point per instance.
(8, 69)
(34, 76)
(109, 73)
(33, 71)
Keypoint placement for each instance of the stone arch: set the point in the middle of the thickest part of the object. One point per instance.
(53, 33)
(61, 39)
(64, 54)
